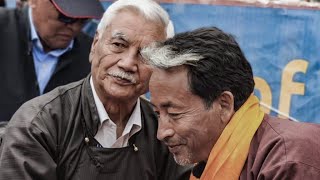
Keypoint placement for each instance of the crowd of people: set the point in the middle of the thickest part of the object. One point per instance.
(71, 105)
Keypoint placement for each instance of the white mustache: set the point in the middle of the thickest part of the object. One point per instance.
(123, 75)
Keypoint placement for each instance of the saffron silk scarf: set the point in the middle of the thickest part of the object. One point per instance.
(230, 152)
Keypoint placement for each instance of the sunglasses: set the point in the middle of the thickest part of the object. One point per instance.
(68, 20)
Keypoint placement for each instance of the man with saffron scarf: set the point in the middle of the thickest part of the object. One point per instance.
(202, 90)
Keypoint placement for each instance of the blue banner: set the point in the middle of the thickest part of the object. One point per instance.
(282, 45)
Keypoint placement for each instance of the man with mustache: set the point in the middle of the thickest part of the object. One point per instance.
(99, 127)
(42, 47)
(202, 90)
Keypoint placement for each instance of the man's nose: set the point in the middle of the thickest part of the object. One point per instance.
(129, 61)
(165, 129)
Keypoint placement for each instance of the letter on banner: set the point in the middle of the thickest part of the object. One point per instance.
(288, 87)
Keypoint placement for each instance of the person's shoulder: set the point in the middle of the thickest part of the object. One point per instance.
(289, 128)
(64, 92)
(288, 132)
(53, 103)
(296, 140)
(67, 89)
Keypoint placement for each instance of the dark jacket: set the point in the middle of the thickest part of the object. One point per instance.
(52, 137)
(17, 72)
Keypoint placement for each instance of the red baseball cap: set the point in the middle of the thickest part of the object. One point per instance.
(80, 8)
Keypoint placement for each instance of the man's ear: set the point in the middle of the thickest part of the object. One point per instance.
(226, 102)
(93, 46)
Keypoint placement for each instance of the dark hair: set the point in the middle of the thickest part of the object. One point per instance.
(223, 66)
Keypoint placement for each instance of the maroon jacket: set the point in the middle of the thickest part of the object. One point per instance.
(283, 149)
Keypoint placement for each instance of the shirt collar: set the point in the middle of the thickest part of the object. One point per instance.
(135, 118)
(37, 43)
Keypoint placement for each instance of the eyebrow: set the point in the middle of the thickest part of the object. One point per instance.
(119, 35)
(163, 105)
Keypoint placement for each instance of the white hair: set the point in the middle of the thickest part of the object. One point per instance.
(162, 56)
(170, 30)
(148, 8)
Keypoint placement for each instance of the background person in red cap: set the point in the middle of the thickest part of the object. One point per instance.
(97, 128)
(42, 47)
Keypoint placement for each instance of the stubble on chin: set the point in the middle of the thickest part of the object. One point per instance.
(183, 160)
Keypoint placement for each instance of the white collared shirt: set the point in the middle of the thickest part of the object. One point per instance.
(107, 132)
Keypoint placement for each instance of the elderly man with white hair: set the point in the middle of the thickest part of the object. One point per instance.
(99, 127)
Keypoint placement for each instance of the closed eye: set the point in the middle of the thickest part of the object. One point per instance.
(118, 45)
(175, 115)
